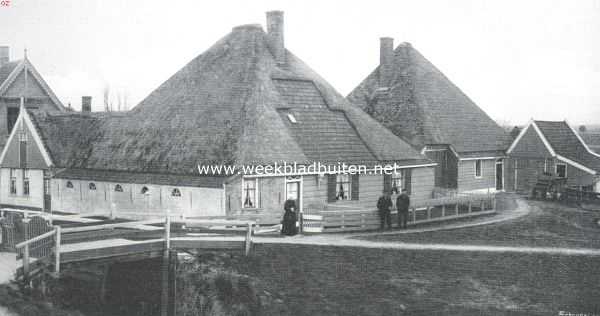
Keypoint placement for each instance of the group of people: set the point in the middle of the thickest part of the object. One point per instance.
(386, 203)
(392, 200)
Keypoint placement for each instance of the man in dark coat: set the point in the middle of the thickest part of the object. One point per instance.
(403, 203)
(383, 207)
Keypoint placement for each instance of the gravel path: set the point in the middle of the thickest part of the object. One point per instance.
(348, 240)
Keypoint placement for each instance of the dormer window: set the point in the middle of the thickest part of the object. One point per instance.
(292, 118)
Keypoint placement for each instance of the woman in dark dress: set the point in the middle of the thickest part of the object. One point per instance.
(289, 219)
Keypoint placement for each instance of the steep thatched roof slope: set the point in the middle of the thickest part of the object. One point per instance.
(565, 142)
(424, 107)
(229, 105)
(7, 69)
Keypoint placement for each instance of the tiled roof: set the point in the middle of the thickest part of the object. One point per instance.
(565, 142)
(421, 105)
(224, 107)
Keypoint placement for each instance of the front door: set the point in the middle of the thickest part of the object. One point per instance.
(292, 190)
(499, 175)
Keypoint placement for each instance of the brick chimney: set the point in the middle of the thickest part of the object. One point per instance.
(4, 55)
(386, 61)
(275, 35)
(86, 104)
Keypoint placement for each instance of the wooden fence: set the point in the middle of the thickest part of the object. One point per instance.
(428, 211)
(577, 195)
(17, 226)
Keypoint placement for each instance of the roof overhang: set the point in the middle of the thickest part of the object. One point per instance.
(576, 165)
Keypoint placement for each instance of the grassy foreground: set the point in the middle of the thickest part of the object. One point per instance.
(357, 281)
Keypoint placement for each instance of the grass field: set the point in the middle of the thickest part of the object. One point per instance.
(548, 225)
(358, 281)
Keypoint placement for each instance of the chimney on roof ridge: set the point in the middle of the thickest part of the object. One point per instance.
(86, 104)
(386, 61)
(275, 35)
(4, 55)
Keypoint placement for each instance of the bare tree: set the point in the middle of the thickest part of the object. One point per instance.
(107, 101)
(115, 100)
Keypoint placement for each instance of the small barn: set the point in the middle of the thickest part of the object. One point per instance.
(555, 149)
(417, 102)
(246, 101)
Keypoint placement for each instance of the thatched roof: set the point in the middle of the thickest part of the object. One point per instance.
(421, 105)
(228, 105)
(7, 69)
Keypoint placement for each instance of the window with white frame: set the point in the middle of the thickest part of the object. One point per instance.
(342, 187)
(249, 194)
(25, 182)
(13, 182)
(561, 170)
(398, 180)
(478, 168)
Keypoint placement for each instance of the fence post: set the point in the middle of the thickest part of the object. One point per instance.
(57, 252)
(164, 299)
(248, 238)
(168, 232)
(26, 261)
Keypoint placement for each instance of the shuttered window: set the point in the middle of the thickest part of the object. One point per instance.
(408, 180)
(331, 188)
(387, 182)
(355, 186)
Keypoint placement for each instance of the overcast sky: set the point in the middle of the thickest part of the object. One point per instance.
(515, 59)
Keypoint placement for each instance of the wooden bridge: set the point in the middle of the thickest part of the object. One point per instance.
(62, 247)
(126, 241)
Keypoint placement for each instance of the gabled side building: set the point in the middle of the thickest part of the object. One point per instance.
(553, 148)
(246, 101)
(20, 79)
(417, 102)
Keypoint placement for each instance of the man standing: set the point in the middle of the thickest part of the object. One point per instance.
(383, 207)
(403, 203)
